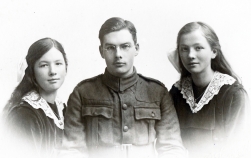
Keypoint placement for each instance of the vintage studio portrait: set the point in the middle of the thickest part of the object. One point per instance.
(125, 79)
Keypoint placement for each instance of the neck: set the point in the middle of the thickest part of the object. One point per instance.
(202, 79)
(49, 96)
(122, 75)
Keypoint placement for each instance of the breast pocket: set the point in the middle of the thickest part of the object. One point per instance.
(147, 113)
(93, 111)
(145, 117)
(99, 125)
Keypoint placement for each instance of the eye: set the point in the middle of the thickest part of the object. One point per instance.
(110, 48)
(198, 48)
(43, 65)
(184, 49)
(59, 63)
(125, 46)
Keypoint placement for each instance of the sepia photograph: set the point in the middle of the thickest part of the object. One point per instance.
(125, 79)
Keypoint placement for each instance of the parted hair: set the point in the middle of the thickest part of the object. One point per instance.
(219, 63)
(117, 24)
(28, 83)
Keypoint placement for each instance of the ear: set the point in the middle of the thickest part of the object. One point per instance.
(101, 51)
(137, 49)
(214, 53)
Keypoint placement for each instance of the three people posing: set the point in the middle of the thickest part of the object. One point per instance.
(124, 114)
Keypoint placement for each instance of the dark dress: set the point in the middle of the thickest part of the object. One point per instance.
(33, 128)
(219, 125)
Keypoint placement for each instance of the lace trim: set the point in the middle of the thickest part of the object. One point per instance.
(213, 89)
(36, 101)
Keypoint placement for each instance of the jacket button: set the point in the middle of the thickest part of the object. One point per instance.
(153, 114)
(124, 106)
(125, 129)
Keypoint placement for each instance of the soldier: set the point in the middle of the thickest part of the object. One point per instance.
(121, 113)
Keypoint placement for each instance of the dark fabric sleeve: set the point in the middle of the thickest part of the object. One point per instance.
(169, 143)
(74, 141)
(173, 93)
(236, 112)
(237, 123)
(24, 130)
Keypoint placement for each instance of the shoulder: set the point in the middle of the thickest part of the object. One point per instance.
(149, 89)
(176, 88)
(90, 83)
(180, 85)
(147, 85)
(89, 80)
(235, 90)
(23, 110)
(23, 116)
(230, 85)
(151, 81)
(86, 86)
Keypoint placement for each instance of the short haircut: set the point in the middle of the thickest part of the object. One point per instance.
(117, 24)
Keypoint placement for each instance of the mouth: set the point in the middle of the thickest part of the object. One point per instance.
(119, 64)
(192, 64)
(53, 80)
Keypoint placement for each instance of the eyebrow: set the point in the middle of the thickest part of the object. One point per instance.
(45, 61)
(193, 44)
(115, 45)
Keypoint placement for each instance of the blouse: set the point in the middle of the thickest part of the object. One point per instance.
(217, 124)
(34, 128)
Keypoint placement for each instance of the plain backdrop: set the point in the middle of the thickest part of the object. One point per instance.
(76, 23)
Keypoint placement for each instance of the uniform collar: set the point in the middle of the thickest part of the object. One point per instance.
(120, 84)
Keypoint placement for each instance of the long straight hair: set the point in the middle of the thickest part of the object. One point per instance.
(219, 63)
(28, 83)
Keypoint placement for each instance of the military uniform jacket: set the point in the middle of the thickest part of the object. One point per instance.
(105, 111)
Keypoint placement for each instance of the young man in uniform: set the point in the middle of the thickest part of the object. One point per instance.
(120, 114)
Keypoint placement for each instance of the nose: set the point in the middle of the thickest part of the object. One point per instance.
(191, 53)
(118, 53)
(52, 71)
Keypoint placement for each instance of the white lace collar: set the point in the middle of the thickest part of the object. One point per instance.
(212, 89)
(36, 101)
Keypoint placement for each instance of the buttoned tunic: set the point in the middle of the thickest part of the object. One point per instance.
(106, 112)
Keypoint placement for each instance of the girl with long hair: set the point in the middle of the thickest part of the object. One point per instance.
(34, 116)
(210, 101)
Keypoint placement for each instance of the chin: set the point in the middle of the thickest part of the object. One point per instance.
(192, 71)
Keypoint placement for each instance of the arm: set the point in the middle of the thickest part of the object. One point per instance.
(236, 113)
(237, 122)
(169, 143)
(74, 142)
(24, 131)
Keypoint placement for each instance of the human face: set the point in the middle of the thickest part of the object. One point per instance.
(195, 52)
(50, 71)
(118, 50)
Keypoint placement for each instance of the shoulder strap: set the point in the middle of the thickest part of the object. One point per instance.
(152, 79)
(89, 79)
